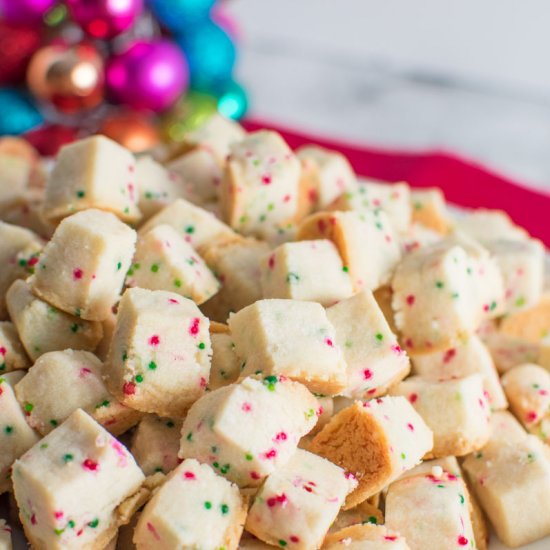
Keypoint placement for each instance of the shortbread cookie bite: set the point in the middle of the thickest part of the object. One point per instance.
(16, 436)
(61, 382)
(528, 390)
(12, 354)
(13, 240)
(197, 226)
(194, 508)
(5, 535)
(365, 537)
(486, 226)
(226, 365)
(42, 327)
(325, 176)
(393, 432)
(247, 430)
(434, 301)
(68, 485)
(366, 242)
(298, 502)
(159, 360)
(456, 411)
(522, 267)
(157, 187)
(511, 479)
(290, 338)
(156, 443)
(261, 185)
(82, 268)
(236, 264)
(374, 359)
(393, 199)
(531, 324)
(95, 172)
(431, 511)
(430, 210)
(293, 271)
(164, 261)
(467, 357)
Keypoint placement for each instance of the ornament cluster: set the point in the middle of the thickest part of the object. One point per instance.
(136, 70)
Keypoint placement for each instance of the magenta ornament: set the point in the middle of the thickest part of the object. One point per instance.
(148, 75)
(104, 19)
(25, 12)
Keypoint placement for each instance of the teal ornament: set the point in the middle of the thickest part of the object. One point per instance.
(233, 101)
(180, 15)
(210, 54)
(17, 112)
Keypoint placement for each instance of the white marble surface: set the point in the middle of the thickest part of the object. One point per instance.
(355, 73)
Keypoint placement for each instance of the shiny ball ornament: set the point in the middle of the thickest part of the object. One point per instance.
(148, 75)
(17, 112)
(233, 102)
(210, 55)
(135, 131)
(69, 77)
(48, 139)
(105, 19)
(224, 20)
(17, 44)
(191, 112)
(25, 12)
(179, 15)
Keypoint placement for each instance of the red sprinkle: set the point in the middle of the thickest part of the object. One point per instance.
(90, 465)
(266, 179)
(271, 261)
(321, 225)
(154, 340)
(246, 407)
(189, 475)
(77, 273)
(3, 350)
(152, 529)
(329, 342)
(272, 453)
(449, 355)
(254, 475)
(194, 327)
(410, 426)
(281, 436)
(84, 371)
(294, 538)
(33, 519)
(462, 540)
(58, 515)
(172, 301)
(397, 349)
(277, 499)
(367, 374)
(410, 300)
(531, 416)
(32, 261)
(390, 537)
(129, 388)
(413, 397)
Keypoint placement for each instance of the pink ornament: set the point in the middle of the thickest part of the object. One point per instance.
(25, 12)
(148, 75)
(104, 19)
(220, 16)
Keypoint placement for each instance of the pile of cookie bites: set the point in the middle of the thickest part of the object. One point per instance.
(230, 344)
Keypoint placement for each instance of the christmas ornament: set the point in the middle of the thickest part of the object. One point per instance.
(17, 44)
(17, 112)
(105, 19)
(135, 131)
(50, 138)
(70, 77)
(150, 74)
(25, 12)
(181, 15)
(233, 102)
(210, 55)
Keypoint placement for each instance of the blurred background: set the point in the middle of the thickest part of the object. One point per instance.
(471, 77)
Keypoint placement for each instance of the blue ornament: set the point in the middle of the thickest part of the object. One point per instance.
(17, 112)
(180, 15)
(233, 102)
(210, 56)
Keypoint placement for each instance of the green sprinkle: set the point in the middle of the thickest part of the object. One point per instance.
(348, 344)
(44, 446)
(216, 464)
(170, 424)
(139, 378)
(479, 455)
(29, 407)
(208, 505)
(159, 469)
(243, 219)
(68, 458)
(520, 301)
(148, 195)
(189, 436)
(292, 277)
(270, 207)
(154, 268)
(58, 531)
(53, 422)
(441, 486)
(71, 524)
(118, 266)
(3, 366)
(225, 468)
(202, 345)
(282, 543)
(8, 430)
(403, 456)
(190, 229)
(270, 382)
(214, 449)
(461, 497)
(94, 523)
(124, 356)
(248, 456)
(309, 413)
(74, 327)
(262, 218)
(80, 194)
(151, 366)
(345, 269)
(102, 404)
(379, 336)
(22, 262)
(372, 519)
(177, 283)
(439, 284)
(225, 509)
(530, 457)
(454, 295)
(418, 206)
(77, 312)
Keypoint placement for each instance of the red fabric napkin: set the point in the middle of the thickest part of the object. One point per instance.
(464, 182)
